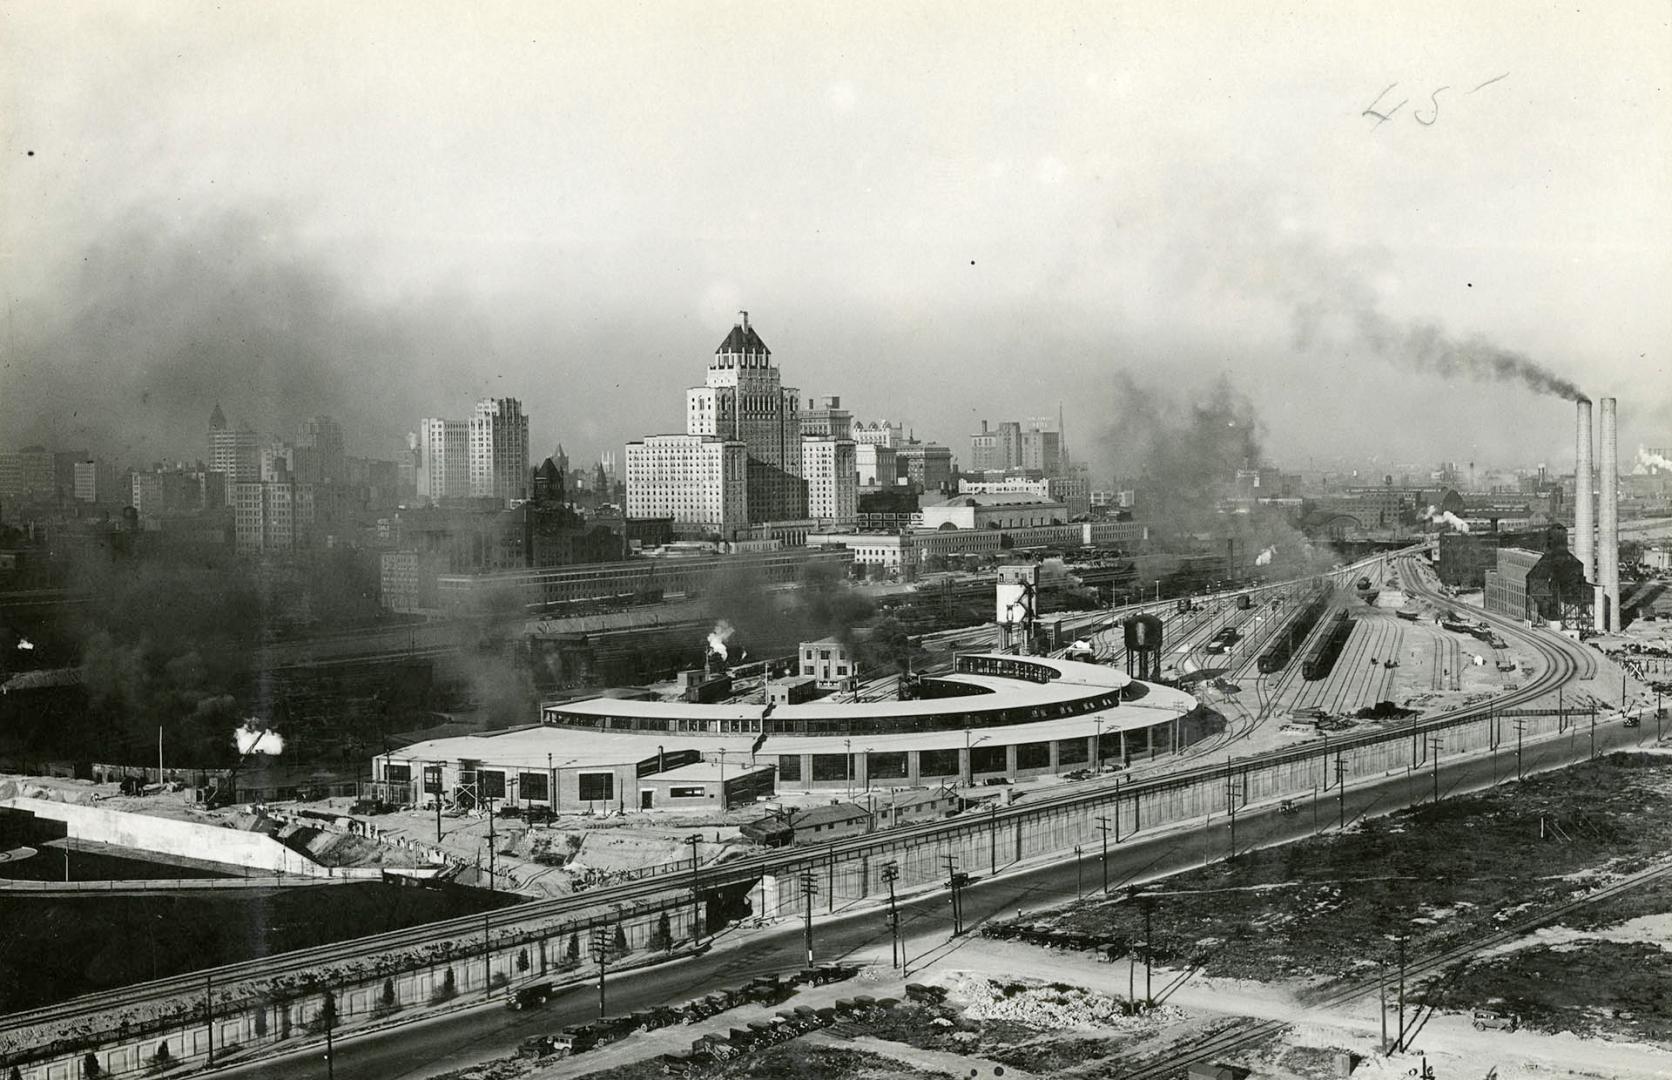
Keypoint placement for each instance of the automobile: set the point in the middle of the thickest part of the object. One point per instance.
(1485, 1019)
(545, 1045)
(1287, 806)
(1634, 721)
(1390, 664)
(1077, 774)
(531, 996)
(996, 781)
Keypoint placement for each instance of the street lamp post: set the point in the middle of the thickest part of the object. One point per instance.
(969, 760)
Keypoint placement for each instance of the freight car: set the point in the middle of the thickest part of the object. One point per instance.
(1321, 659)
(1288, 639)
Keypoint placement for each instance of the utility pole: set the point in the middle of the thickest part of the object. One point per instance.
(1382, 1000)
(809, 887)
(1231, 808)
(1400, 1043)
(1103, 826)
(952, 886)
(487, 954)
(1520, 729)
(993, 837)
(1434, 747)
(1148, 906)
(696, 893)
(1593, 731)
(1341, 789)
(890, 874)
(209, 1013)
(489, 801)
(601, 948)
(1079, 877)
(330, 1026)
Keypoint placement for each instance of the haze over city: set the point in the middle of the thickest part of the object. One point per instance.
(303, 209)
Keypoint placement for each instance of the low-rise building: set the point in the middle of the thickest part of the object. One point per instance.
(705, 785)
(831, 662)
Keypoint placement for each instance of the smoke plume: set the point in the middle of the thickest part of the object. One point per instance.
(1447, 518)
(162, 318)
(718, 637)
(251, 738)
(1264, 558)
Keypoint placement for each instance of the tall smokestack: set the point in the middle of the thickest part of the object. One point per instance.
(1584, 505)
(1608, 531)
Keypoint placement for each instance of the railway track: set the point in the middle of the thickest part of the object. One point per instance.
(1434, 964)
(545, 914)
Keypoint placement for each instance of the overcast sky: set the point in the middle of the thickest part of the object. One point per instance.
(940, 213)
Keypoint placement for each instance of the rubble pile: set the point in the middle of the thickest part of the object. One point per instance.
(1047, 1006)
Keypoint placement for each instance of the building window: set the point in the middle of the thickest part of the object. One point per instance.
(687, 792)
(532, 785)
(597, 787)
(492, 784)
(397, 774)
(789, 766)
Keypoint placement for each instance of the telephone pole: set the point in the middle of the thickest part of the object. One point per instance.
(890, 874)
(952, 885)
(1434, 748)
(1231, 808)
(1103, 826)
(1400, 1041)
(1341, 789)
(696, 891)
(1520, 729)
(1079, 876)
(809, 889)
(601, 949)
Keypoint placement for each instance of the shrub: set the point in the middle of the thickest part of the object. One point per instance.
(90, 1066)
(574, 953)
(522, 959)
(448, 990)
(662, 938)
(619, 945)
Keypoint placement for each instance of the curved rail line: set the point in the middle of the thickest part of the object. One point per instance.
(1558, 668)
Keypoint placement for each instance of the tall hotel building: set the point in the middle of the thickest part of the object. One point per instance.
(740, 459)
(499, 450)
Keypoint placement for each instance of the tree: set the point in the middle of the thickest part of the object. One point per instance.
(619, 945)
(573, 953)
(522, 959)
(162, 1057)
(90, 1066)
(663, 936)
(389, 1001)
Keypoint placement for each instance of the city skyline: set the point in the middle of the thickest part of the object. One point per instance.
(1050, 202)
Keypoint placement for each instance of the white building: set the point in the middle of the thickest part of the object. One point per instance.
(269, 517)
(96, 483)
(700, 482)
(1006, 511)
(831, 472)
(499, 450)
(443, 459)
(234, 454)
(875, 465)
(890, 433)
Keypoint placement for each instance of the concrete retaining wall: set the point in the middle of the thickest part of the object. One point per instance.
(181, 839)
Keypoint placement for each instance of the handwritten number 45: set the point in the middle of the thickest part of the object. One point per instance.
(1433, 106)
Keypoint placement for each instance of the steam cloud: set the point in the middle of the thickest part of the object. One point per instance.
(250, 738)
(1648, 459)
(1448, 518)
(718, 637)
(1264, 558)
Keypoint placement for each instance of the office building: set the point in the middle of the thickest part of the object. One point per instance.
(832, 479)
(272, 517)
(443, 459)
(498, 461)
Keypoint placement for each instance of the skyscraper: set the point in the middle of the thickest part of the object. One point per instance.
(499, 450)
(740, 460)
(323, 436)
(443, 459)
(234, 454)
(832, 479)
(743, 400)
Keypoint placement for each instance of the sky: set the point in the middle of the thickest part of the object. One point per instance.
(940, 212)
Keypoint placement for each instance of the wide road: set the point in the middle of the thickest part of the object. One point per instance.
(467, 1037)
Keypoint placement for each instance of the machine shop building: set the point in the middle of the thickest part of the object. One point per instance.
(1537, 586)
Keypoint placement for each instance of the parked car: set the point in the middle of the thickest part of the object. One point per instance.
(1487, 1019)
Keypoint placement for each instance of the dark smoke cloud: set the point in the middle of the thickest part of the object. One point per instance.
(1424, 346)
(161, 319)
(1183, 454)
(1329, 298)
